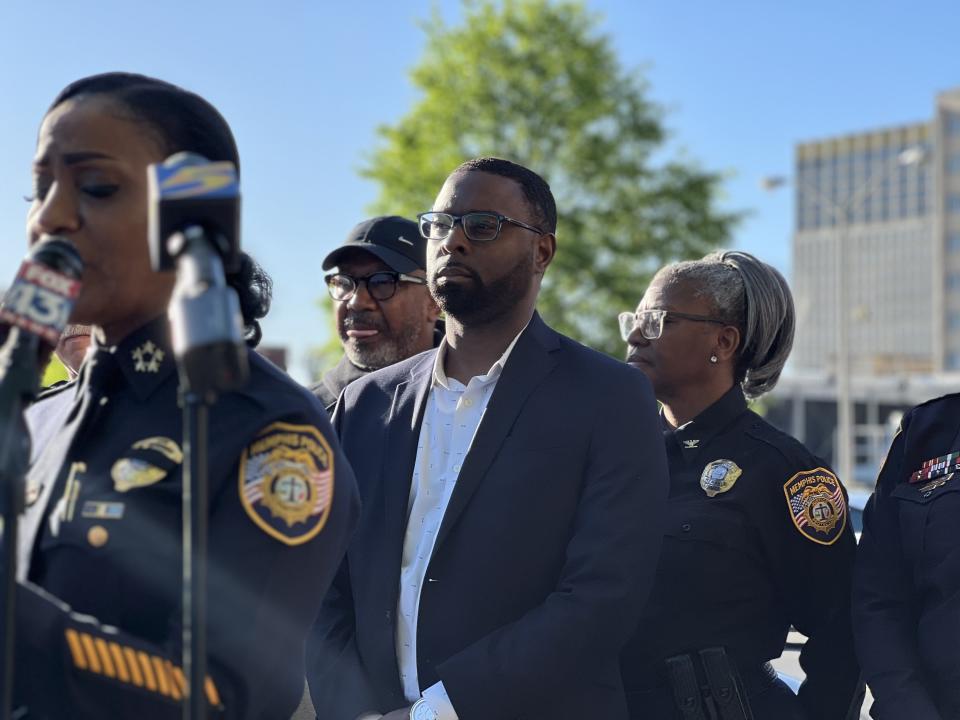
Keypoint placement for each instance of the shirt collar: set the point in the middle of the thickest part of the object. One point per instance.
(440, 377)
(696, 433)
(145, 356)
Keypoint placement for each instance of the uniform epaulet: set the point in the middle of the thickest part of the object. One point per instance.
(55, 389)
(788, 447)
(933, 401)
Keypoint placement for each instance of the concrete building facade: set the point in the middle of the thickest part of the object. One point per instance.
(892, 196)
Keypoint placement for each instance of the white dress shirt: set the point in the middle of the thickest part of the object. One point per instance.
(450, 420)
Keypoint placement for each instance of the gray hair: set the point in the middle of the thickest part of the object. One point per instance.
(751, 296)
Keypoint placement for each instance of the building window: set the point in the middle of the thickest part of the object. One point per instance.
(953, 361)
(953, 320)
(953, 164)
(953, 281)
(953, 125)
(953, 203)
(953, 242)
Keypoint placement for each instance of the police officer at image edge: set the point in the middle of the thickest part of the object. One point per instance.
(98, 602)
(907, 580)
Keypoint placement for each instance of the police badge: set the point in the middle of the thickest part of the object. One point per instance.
(719, 476)
(148, 461)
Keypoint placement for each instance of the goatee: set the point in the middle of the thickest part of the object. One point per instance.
(475, 302)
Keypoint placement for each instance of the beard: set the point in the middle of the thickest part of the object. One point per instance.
(389, 347)
(478, 303)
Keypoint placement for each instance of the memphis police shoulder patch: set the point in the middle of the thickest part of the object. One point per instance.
(286, 481)
(817, 506)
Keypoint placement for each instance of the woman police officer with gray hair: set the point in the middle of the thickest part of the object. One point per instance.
(756, 535)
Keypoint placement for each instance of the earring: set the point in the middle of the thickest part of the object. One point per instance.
(713, 359)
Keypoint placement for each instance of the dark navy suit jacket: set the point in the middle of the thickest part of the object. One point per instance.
(545, 555)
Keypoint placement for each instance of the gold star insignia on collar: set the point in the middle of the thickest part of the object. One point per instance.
(147, 357)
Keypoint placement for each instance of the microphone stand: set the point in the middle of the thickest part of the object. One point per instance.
(211, 358)
(18, 380)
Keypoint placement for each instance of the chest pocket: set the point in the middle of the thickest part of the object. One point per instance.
(92, 561)
(929, 519)
(707, 546)
(700, 526)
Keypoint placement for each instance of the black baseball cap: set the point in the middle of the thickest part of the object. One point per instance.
(395, 240)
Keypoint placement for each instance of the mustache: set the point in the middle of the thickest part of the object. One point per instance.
(363, 320)
(453, 264)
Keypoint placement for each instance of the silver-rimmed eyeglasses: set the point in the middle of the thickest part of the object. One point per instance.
(650, 322)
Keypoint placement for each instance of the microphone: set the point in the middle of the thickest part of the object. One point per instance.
(35, 310)
(194, 229)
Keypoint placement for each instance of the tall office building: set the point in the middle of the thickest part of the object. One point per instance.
(892, 197)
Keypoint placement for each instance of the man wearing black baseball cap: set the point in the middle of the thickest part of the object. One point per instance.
(384, 312)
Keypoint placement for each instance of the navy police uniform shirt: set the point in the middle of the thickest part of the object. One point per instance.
(756, 539)
(98, 614)
(907, 578)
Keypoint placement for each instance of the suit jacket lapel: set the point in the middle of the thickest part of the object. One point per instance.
(529, 363)
(386, 542)
(403, 432)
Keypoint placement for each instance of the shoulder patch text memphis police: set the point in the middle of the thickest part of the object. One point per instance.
(286, 481)
(816, 503)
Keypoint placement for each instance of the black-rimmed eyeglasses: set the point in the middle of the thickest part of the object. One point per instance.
(381, 285)
(650, 322)
(480, 227)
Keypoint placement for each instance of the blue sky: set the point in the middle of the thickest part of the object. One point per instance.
(305, 84)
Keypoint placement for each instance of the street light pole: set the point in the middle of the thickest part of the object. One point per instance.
(842, 216)
(844, 450)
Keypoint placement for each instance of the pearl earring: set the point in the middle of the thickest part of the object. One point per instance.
(713, 359)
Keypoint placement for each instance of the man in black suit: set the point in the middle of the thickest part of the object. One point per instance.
(512, 482)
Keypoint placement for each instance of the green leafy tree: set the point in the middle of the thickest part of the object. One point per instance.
(535, 82)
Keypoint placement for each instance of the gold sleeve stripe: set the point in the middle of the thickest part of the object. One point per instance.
(104, 652)
(161, 675)
(180, 680)
(135, 675)
(92, 660)
(76, 650)
(118, 660)
(110, 659)
(213, 697)
(168, 671)
(147, 671)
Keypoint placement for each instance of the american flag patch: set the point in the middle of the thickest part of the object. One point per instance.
(817, 505)
(286, 481)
